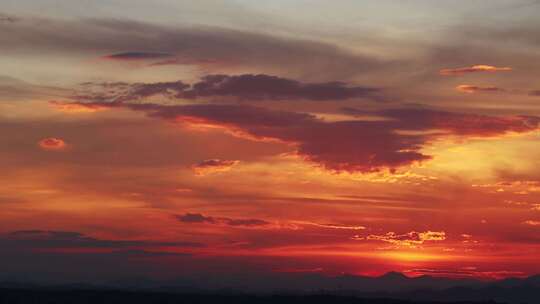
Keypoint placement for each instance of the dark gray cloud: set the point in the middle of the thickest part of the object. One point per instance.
(36, 239)
(137, 56)
(192, 218)
(248, 87)
(195, 218)
(262, 86)
(192, 44)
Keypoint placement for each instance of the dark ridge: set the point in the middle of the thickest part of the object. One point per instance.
(31, 296)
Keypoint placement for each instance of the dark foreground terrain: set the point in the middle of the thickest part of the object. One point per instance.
(30, 296)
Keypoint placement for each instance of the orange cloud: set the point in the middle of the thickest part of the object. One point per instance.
(77, 107)
(466, 88)
(473, 69)
(211, 166)
(532, 223)
(410, 239)
(52, 144)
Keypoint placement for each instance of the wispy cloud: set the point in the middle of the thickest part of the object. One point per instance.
(467, 88)
(246, 87)
(212, 166)
(36, 239)
(137, 56)
(410, 239)
(193, 44)
(332, 226)
(473, 69)
(197, 218)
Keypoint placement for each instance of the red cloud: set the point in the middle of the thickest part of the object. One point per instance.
(52, 144)
(473, 69)
(466, 88)
(353, 145)
(452, 123)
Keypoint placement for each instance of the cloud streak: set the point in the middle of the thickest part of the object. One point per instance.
(470, 89)
(473, 69)
(45, 239)
(260, 86)
(212, 166)
(248, 87)
(197, 218)
(195, 45)
(410, 239)
(137, 56)
(333, 226)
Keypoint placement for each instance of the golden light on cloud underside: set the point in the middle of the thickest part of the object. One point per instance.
(204, 125)
(77, 107)
(470, 89)
(473, 69)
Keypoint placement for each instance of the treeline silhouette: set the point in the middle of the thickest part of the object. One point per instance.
(33, 296)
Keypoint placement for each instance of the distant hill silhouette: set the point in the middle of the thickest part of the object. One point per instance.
(24, 296)
(393, 285)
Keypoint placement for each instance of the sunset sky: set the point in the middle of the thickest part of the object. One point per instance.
(173, 138)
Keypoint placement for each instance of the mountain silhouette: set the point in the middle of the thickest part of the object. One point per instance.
(390, 286)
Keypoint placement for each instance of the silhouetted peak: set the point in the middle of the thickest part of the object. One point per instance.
(394, 276)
